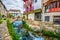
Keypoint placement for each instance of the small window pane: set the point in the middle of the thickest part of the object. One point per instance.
(59, 4)
(35, 1)
(16, 14)
(46, 18)
(55, 4)
(37, 16)
(52, 5)
(46, 8)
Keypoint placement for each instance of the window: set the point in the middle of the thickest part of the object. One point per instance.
(52, 5)
(59, 4)
(38, 16)
(16, 14)
(55, 4)
(46, 8)
(46, 18)
(56, 19)
(58, 0)
(35, 1)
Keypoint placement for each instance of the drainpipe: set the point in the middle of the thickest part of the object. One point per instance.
(7, 14)
(27, 16)
(42, 11)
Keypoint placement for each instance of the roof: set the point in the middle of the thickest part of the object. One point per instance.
(49, 1)
(3, 5)
(14, 10)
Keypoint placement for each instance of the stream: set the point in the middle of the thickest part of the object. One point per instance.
(26, 35)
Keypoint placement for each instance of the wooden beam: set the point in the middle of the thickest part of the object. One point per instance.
(34, 11)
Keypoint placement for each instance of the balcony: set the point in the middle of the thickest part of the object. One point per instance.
(54, 10)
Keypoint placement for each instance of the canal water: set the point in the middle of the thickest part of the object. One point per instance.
(25, 34)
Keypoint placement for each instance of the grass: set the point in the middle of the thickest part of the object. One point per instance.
(51, 34)
(27, 26)
(12, 33)
(1, 21)
(0, 18)
(44, 32)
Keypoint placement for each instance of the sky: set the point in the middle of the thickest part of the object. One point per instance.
(13, 4)
(38, 4)
(16, 4)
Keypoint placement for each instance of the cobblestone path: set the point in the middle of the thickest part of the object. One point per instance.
(4, 34)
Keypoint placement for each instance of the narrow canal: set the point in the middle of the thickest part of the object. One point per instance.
(25, 34)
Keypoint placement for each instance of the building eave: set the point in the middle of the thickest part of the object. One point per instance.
(34, 11)
(48, 2)
(3, 5)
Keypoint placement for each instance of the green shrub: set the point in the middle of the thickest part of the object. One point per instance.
(11, 31)
(27, 26)
(46, 33)
(10, 16)
(0, 16)
(1, 21)
(4, 18)
(51, 34)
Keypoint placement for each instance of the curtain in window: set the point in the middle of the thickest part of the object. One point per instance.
(53, 7)
(59, 4)
(55, 4)
(46, 8)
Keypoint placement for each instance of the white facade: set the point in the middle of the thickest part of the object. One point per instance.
(3, 10)
(37, 4)
(15, 13)
(53, 16)
(31, 16)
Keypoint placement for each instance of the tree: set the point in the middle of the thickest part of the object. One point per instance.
(10, 15)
